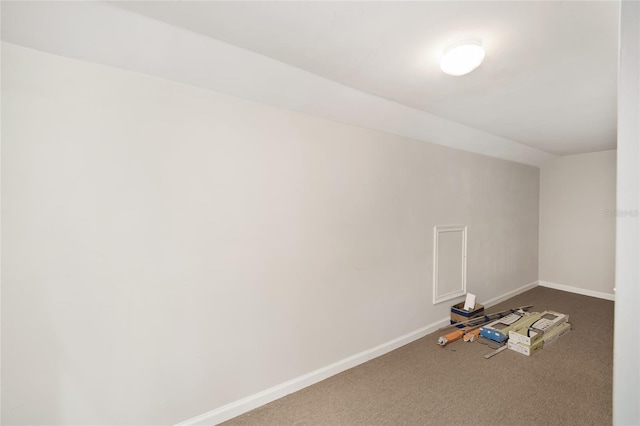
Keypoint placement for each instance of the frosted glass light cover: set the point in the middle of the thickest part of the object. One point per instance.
(462, 57)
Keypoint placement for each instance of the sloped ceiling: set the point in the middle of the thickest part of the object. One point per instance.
(548, 80)
(547, 86)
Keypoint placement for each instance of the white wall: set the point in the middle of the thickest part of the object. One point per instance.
(577, 222)
(168, 250)
(626, 350)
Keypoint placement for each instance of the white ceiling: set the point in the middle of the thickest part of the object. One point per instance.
(548, 80)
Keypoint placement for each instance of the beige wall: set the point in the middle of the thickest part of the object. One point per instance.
(168, 250)
(577, 222)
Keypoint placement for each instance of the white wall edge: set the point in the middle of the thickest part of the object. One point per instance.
(577, 290)
(241, 406)
(85, 31)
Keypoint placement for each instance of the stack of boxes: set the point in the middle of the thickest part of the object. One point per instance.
(530, 335)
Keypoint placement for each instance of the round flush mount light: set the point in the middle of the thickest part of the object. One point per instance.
(462, 57)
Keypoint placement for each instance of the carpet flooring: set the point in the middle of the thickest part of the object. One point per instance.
(569, 382)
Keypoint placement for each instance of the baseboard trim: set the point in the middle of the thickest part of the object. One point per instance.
(510, 294)
(241, 406)
(577, 290)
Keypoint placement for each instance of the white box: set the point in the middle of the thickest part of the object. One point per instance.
(519, 337)
(558, 331)
(548, 321)
(549, 337)
(525, 349)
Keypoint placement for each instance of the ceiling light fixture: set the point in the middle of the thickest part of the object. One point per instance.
(462, 57)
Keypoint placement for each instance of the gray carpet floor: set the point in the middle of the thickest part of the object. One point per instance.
(569, 382)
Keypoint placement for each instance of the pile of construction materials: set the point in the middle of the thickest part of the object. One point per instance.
(516, 329)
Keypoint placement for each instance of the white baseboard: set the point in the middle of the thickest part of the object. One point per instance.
(244, 405)
(577, 290)
(510, 294)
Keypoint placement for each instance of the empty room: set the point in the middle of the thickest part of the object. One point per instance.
(320, 213)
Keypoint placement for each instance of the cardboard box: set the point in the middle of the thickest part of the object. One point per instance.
(458, 314)
(550, 320)
(558, 331)
(525, 349)
(549, 337)
(522, 334)
(545, 322)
